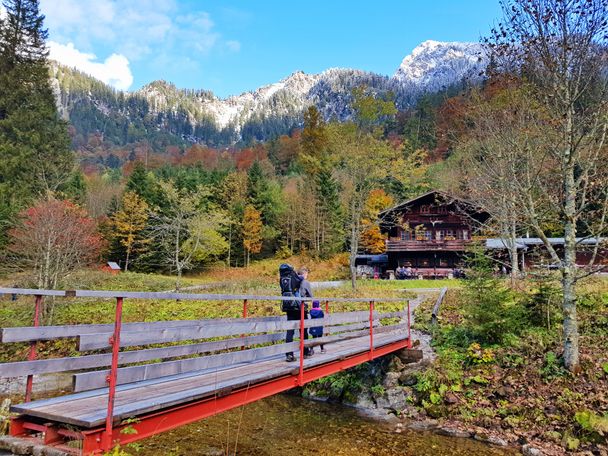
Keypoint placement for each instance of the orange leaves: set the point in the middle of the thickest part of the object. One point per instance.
(252, 230)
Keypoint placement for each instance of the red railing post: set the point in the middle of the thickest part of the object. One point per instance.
(301, 373)
(32, 355)
(409, 329)
(371, 330)
(326, 307)
(115, 342)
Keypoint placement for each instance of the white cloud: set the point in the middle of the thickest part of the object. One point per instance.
(233, 45)
(114, 70)
(137, 29)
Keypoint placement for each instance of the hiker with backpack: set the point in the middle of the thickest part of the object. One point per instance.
(296, 285)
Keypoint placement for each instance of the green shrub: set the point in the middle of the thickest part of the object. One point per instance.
(543, 302)
(552, 367)
(593, 425)
(491, 309)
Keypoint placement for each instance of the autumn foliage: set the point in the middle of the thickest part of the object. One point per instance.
(54, 238)
(252, 231)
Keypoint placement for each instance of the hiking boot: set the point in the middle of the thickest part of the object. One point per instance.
(290, 358)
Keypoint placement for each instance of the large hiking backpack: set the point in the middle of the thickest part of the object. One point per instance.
(290, 282)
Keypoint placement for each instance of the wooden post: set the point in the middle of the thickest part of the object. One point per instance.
(301, 373)
(326, 307)
(32, 355)
(371, 330)
(409, 329)
(115, 342)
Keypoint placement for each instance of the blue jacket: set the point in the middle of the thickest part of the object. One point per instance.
(316, 331)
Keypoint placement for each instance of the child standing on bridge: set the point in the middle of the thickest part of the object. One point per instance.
(317, 331)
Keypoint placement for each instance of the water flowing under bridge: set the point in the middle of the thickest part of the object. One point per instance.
(138, 379)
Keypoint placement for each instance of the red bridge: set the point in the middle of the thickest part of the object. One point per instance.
(243, 362)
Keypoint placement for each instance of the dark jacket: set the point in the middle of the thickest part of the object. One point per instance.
(316, 331)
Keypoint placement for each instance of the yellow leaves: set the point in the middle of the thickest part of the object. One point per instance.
(373, 240)
(252, 230)
(371, 237)
(377, 201)
(130, 221)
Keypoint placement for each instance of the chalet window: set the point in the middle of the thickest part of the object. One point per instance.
(424, 263)
(440, 234)
(450, 235)
(442, 210)
(406, 235)
(408, 262)
(462, 235)
(428, 235)
(443, 262)
(425, 209)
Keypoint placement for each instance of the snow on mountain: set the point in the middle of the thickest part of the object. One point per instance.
(435, 65)
(276, 108)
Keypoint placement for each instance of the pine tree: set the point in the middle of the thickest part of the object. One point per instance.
(34, 143)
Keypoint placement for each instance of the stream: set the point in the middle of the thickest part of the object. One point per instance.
(285, 425)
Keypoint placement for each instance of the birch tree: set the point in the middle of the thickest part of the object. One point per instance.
(559, 46)
(184, 229)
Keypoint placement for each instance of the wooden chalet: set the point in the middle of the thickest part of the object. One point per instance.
(429, 234)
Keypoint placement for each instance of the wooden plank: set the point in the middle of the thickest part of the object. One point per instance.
(33, 333)
(214, 297)
(45, 366)
(31, 292)
(435, 312)
(178, 296)
(326, 340)
(100, 393)
(212, 328)
(91, 380)
(147, 406)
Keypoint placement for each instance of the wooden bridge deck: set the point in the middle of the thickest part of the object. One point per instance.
(88, 409)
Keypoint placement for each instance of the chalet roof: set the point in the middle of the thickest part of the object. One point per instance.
(437, 194)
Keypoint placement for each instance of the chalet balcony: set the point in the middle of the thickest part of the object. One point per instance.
(425, 245)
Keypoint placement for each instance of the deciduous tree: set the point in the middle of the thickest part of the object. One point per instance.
(129, 224)
(52, 239)
(252, 232)
(560, 47)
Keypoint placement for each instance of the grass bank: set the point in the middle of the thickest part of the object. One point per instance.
(499, 364)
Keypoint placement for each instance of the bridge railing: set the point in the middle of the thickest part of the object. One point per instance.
(259, 332)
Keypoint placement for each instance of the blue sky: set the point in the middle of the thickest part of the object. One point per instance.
(234, 46)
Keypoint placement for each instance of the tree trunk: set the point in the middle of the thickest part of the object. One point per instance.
(127, 259)
(354, 245)
(229, 242)
(570, 330)
(513, 253)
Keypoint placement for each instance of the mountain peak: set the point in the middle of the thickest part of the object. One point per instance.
(434, 65)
